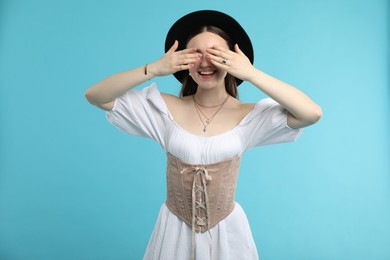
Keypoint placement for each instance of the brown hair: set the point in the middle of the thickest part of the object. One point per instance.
(189, 86)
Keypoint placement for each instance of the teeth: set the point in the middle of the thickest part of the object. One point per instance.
(206, 72)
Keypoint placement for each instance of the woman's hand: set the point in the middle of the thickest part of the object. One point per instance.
(236, 63)
(103, 93)
(173, 61)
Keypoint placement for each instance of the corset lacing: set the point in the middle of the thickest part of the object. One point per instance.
(201, 195)
(200, 201)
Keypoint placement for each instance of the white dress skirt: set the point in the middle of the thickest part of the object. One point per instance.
(144, 113)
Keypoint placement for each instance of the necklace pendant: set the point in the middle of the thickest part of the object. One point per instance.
(207, 120)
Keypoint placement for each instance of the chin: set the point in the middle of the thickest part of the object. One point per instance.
(210, 83)
(207, 84)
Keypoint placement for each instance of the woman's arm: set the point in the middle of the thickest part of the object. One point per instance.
(302, 110)
(104, 93)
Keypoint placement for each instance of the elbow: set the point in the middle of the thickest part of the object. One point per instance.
(310, 117)
(93, 99)
(89, 96)
(315, 115)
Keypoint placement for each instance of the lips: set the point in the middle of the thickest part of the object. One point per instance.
(207, 72)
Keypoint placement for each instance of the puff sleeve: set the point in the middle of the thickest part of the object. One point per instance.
(267, 124)
(140, 113)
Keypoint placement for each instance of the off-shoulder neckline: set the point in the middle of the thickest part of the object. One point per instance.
(159, 102)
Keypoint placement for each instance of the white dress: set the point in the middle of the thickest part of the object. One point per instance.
(144, 113)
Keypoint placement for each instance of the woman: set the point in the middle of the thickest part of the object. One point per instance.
(205, 131)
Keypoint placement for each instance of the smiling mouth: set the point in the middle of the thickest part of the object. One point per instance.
(207, 73)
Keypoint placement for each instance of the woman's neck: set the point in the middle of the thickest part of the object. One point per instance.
(210, 97)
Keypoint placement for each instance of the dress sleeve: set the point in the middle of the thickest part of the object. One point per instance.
(267, 124)
(140, 113)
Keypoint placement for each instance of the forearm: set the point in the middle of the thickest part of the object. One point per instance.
(291, 98)
(116, 85)
(106, 91)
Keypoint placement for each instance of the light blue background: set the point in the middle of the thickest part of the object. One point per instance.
(74, 187)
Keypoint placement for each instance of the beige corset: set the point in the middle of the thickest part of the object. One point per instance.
(201, 195)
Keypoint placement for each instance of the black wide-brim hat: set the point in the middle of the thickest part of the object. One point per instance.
(185, 26)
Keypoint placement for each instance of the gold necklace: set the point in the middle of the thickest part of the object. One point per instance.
(207, 120)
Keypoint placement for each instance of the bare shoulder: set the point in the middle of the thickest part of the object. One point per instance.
(176, 105)
(171, 100)
(238, 111)
(243, 108)
(168, 98)
(247, 107)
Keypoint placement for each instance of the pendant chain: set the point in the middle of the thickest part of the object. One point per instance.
(207, 120)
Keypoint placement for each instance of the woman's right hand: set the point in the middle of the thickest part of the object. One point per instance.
(173, 61)
(103, 93)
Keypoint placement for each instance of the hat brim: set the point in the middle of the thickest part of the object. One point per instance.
(185, 26)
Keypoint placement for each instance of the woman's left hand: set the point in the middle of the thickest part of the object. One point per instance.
(236, 63)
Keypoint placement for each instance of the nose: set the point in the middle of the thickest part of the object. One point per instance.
(204, 61)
